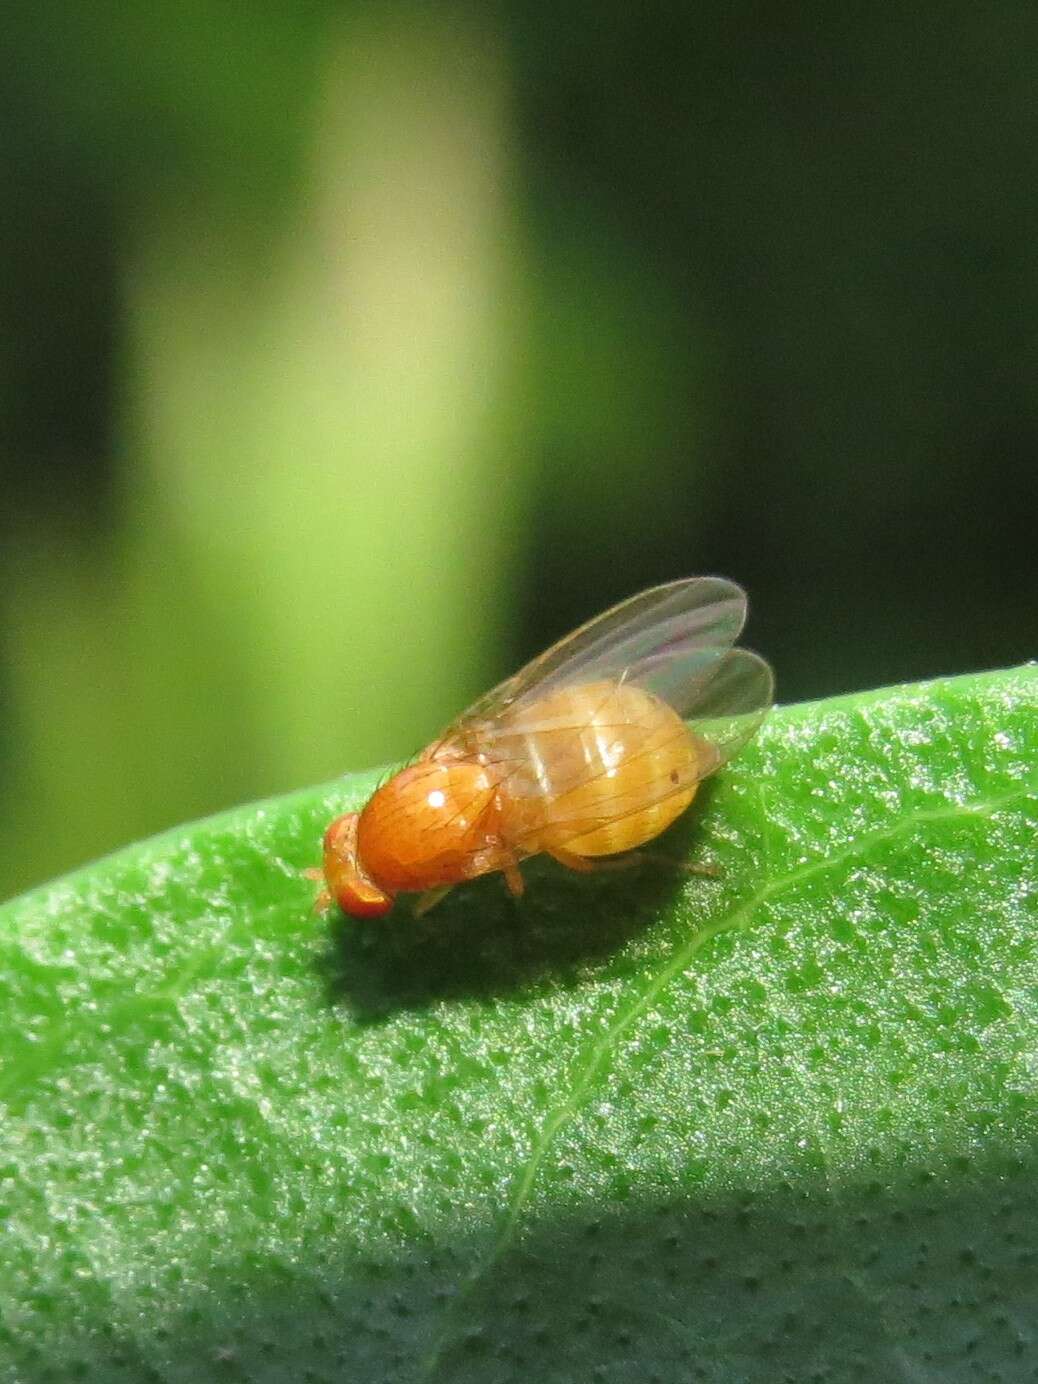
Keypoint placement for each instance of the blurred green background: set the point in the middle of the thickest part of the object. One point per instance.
(352, 353)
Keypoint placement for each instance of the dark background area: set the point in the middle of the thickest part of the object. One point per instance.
(350, 355)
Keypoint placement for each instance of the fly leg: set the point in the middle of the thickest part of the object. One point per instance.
(572, 861)
(430, 898)
(689, 867)
(627, 860)
(323, 901)
(587, 865)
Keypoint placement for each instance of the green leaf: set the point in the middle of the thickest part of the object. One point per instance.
(777, 1125)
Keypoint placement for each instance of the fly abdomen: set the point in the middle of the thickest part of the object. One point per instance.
(604, 767)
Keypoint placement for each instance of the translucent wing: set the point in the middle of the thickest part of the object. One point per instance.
(731, 703)
(546, 740)
(669, 639)
(730, 706)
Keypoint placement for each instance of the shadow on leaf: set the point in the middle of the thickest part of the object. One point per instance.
(925, 1272)
(481, 943)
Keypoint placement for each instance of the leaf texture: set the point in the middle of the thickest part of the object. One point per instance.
(776, 1125)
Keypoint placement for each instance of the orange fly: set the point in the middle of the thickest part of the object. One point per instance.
(591, 750)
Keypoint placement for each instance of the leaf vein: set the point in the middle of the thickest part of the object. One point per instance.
(589, 1071)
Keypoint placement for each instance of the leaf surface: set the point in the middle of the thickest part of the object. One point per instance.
(780, 1124)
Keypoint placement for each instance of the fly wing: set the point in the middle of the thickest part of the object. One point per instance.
(730, 704)
(727, 709)
(673, 641)
(669, 639)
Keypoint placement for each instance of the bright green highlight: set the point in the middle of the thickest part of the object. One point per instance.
(777, 1125)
